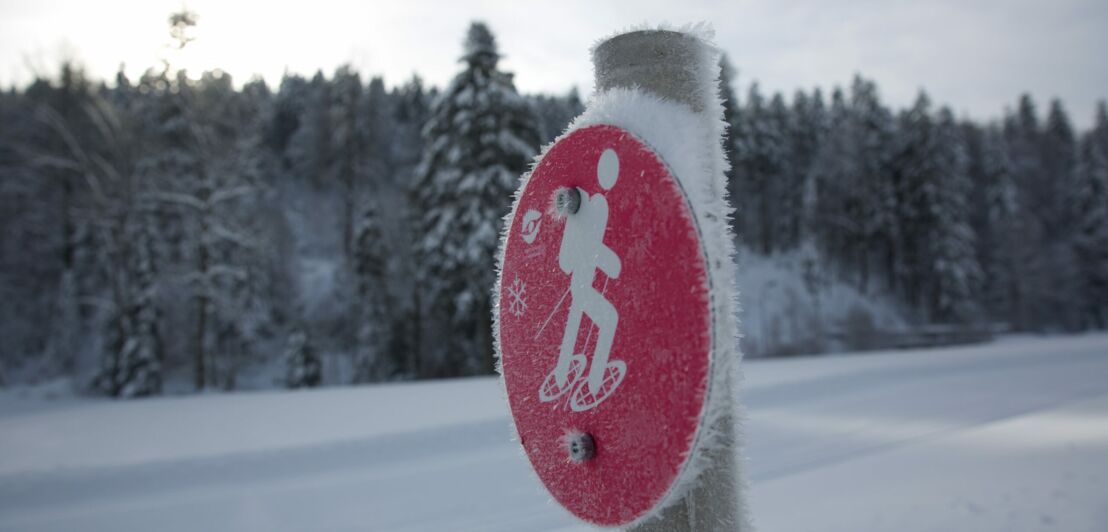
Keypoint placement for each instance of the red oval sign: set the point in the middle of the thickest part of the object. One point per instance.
(605, 325)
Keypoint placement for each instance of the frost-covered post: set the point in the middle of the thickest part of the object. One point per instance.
(669, 64)
(615, 299)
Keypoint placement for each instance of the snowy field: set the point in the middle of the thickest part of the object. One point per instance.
(1011, 436)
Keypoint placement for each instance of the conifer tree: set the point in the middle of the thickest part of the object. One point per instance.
(556, 112)
(760, 162)
(873, 205)
(1052, 200)
(915, 174)
(309, 149)
(832, 171)
(1099, 133)
(935, 254)
(207, 174)
(1059, 158)
(346, 147)
(787, 181)
(856, 197)
(370, 269)
(480, 137)
(411, 109)
(303, 368)
(807, 132)
(116, 202)
(1022, 132)
(1000, 234)
(411, 104)
(131, 366)
(1090, 240)
(951, 240)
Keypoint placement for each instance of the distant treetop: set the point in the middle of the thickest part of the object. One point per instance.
(480, 47)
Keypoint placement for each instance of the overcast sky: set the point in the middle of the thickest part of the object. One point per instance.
(976, 56)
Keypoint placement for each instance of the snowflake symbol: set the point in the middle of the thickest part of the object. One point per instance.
(516, 292)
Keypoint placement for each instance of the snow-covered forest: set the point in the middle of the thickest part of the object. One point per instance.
(173, 233)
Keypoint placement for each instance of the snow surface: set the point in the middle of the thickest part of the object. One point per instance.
(1009, 436)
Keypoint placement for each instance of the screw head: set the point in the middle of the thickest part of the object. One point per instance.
(567, 201)
(581, 446)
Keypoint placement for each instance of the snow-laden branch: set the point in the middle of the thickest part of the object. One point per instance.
(214, 271)
(178, 198)
(228, 194)
(54, 162)
(234, 237)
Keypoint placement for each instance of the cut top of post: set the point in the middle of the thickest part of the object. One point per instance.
(662, 62)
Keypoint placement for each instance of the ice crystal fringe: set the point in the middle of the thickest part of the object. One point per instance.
(691, 145)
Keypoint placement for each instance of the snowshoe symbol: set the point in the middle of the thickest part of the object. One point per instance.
(581, 254)
(581, 398)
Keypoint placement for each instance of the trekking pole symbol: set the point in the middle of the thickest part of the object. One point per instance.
(581, 254)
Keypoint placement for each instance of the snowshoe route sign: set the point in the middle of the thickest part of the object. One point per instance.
(605, 326)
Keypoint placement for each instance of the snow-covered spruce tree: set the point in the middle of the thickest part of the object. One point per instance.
(347, 145)
(1022, 132)
(117, 206)
(204, 159)
(856, 202)
(831, 175)
(411, 107)
(1099, 133)
(935, 256)
(999, 234)
(760, 162)
(370, 267)
(309, 147)
(411, 110)
(555, 113)
(1090, 241)
(344, 182)
(239, 279)
(951, 240)
(871, 209)
(807, 133)
(1054, 206)
(29, 255)
(381, 161)
(480, 138)
(131, 366)
(70, 273)
(915, 176)
(303, 368)
(788, 182)
(285, 116)
(1059, 159)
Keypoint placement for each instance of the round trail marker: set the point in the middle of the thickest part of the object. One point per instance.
(605, 325)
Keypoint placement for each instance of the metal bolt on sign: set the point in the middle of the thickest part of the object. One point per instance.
(581, 446)
(567, 201)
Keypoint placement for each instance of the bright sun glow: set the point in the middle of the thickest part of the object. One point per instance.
(976, 57)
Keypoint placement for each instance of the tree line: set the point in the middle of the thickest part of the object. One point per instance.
(343, 231)
(962, 222)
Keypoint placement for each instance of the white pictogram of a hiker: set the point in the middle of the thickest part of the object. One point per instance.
(581, 254)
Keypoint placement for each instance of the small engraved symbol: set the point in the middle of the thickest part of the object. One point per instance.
(531, 223)
(517, 294)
